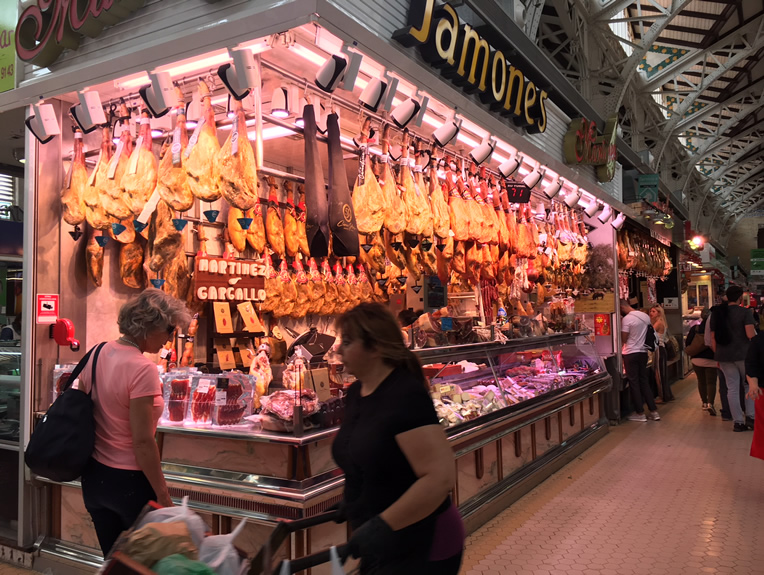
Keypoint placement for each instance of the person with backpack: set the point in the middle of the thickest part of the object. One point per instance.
(638, 337)
(732, 328)
(125, 471)
(703, 362)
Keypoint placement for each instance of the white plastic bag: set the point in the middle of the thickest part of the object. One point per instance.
(218, 552)
(197, 528)
(334, 561)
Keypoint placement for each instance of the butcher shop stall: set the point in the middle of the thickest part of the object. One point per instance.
(272, 172)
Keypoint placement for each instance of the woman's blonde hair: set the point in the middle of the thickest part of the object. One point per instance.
(152, 310)
(376, 327)
(661, 313)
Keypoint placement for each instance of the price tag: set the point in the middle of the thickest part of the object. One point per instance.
(194, 137)
(223, 322)
(204, 386)
(164, 353)
(251, 321)
(176, 147)
(446, 324)
(235, 136)
(220, 396)
(91, 179)
(446, 389)
(132, 168)
(225, 354)
(489, 396)
(115, 160)
(149, 208)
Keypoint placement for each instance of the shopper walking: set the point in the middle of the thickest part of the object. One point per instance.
(125, 472)
(726, 413)
(754, 370)
(634, 328)
(398, 465)
(660, 357)
(731, 331)
(703, 363)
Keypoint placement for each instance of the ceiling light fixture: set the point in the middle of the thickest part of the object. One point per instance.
(482, 153)
(240, 77)
(42, 122)
(448, 131)
(532, 179)
(280, 103)
(553, 188)
(572, 198)
(617, 223)
(160, 95)
(511, 165)
(88, 114)
(593, 208)
(605, 214)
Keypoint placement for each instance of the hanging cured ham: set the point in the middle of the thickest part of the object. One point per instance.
(394, 251)
(200, 157)
(236, 233)
(177, 276)
(423, 195)
(301, 218)
(418, 215)
(164, 239)
(344, 295)
(512, 232)
(470, 193)
(272, 287)
(317, 288)
(172, 181)
(332, 299)
(354, 290)
(256, 230)
(395, 210)
(342, 222)
(236, 170)
(73, 194)
(94, 260)
(109, 187)
(291, 225)
(368, 198)
(288, 292)
(95, 213)
(364, 286)
(274, 227)
(373, 253)
(317, 206)
(441, 221)
(131, 265)
(140, 179)
(501, 220)
(126, 229)
(303, 289)
(457, 210)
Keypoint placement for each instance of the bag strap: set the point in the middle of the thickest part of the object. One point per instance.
(81, 365)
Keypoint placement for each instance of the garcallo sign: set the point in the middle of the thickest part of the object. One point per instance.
(470, 62)
(48, 28)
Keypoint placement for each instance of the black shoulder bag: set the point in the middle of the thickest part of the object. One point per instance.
(62, 443)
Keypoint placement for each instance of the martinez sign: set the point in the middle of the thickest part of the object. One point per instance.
(582, 145)
(46, 29)
(470, 62)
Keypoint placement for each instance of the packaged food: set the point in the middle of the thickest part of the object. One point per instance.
(61, 375)
(203, 394)
(176, 391)
(233, 399)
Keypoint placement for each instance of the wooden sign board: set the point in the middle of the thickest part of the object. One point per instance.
(219, 279)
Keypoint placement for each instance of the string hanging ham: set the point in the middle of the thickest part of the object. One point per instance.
(72, 196)
(368, 198)
(417, 208)
(140, 179)
(200, 156)
(172, 181)
(395, 210)
(274, 227)
(236, 170)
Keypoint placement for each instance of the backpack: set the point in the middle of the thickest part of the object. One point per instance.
(62, 443)
(697, 344)
(651, 339)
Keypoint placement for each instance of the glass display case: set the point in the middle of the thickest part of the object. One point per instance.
(474, 381)
(10, 394)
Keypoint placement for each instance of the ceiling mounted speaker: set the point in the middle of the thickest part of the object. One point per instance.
(331, 73)
(88, 114)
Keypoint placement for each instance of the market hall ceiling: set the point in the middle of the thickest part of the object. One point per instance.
(687, 81)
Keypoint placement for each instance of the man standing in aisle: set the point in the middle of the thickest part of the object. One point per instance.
(634, 327)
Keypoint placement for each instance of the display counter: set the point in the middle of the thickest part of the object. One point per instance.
(541, 406)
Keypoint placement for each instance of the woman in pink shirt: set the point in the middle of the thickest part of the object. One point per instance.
(125, 472)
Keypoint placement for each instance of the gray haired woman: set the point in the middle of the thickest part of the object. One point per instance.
(125, 471)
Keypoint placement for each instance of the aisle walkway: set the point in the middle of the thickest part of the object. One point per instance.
(680, 496)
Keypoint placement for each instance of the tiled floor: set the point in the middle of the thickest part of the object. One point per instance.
(677, 497)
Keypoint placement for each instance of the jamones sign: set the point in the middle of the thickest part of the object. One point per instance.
(471, 63)
(46, 29)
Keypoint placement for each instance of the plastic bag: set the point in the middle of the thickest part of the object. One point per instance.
(155, 541)
(218, 552)
(181, 565)
(197, 528)
(334, 561)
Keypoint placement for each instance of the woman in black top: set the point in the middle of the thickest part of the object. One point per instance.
(398, 465)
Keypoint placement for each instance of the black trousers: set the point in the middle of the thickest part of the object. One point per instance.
(114, 498)
(639, 384)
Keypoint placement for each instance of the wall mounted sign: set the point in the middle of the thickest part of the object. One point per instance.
(467, 59)
(583, 145)
(7, 46)
(218, 279)
(647, 187)
(47, 28)
(518, 193)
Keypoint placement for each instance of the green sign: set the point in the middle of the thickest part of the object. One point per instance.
(7, 46)
(648, 187)
(757, 262)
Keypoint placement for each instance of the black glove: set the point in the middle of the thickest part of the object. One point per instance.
(374, 539)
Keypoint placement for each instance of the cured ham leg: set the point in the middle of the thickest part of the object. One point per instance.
(200, 157)
(395, 210)
(94, 259)
(332, 300)
(140, 179)
(237, 175)
(304, 290)
(72, 196)
(274, 227)
(131, 265)
(288, 292)
(236, 233)
(272, 287)
(368, 198)
(342, 221)
(177, 276)
(256, 231)
(301, 218)
(95, 214)
(441, 220)
(110, 190)
(317, 218)
(457, 208)
(418, 215)
(291, 231)
(318, 289)
(172, 180)
(165, 240)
